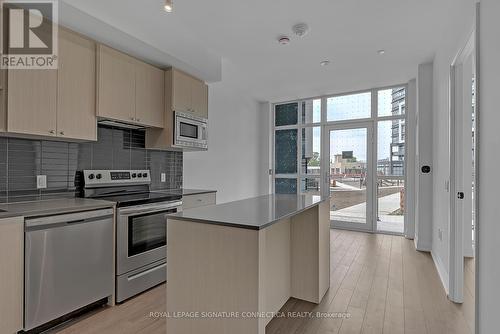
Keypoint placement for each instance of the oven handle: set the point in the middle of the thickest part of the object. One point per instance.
(149, 209)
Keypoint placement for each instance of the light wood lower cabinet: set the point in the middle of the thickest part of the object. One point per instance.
(11, 274)
(194, 201)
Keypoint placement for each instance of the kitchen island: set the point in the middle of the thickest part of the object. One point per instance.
(231, 266)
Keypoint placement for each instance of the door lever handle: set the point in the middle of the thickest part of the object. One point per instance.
(460, 195)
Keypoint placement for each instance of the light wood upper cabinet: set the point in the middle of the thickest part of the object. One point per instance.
(189, 94)
(149, 94)
(56, 103)
(11, 274)
(129, 90)
(200, 99)
(181, 91)
(32, 102)
(76, 115)
(116, 85)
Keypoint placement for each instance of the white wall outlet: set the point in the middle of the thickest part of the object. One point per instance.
(440, 234)
(447, 185)
(41, 181)
(163, 177)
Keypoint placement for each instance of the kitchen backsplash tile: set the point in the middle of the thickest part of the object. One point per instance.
(21, 160)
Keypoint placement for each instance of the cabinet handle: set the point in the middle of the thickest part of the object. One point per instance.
(52, 132)
(61, 133)
(137, 119)
(132, 119)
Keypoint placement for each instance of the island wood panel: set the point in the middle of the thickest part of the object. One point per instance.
(222, 268)
(76, 109)
(310, 253)
(11, 274)
(275, 276)
(211, 268)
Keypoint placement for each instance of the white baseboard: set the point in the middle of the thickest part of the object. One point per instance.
(422, 246)
(442, 272)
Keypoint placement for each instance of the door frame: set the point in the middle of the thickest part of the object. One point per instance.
(456, 224)
(371, 170)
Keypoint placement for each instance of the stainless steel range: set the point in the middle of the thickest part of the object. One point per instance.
(141, 233)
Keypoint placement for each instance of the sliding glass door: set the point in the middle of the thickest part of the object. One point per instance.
(349, 178)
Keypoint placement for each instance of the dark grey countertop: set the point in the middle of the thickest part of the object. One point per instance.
(253, 213)
(185, 191)
(51, 207)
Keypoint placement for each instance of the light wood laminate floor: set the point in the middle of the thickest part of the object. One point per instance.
(380, 281)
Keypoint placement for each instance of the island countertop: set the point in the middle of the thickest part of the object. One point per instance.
(253, 213)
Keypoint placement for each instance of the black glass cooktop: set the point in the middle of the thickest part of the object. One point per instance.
(131, 199)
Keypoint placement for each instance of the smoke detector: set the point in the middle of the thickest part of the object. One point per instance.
(300, 29)
(284, 40)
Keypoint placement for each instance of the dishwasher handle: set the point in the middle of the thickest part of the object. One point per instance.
(70, 218)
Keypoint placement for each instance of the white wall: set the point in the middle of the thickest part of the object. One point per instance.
(455, 36)
(411, 119)
(236, 160)
(489, 160)
(424, 149)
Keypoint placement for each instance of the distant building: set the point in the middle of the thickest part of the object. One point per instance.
(341, 166)
(396, 160)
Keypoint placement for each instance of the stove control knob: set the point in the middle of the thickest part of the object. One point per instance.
(98, 176)
(144, 174)
(139, 175)
(133, 175)
(91, 176)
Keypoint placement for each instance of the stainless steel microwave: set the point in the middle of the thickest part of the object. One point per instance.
(190, 131)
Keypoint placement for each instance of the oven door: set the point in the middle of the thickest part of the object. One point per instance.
(142, 235)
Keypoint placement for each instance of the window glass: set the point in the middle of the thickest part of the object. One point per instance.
(392, 101)
(285, 186)
(391, 148)
(311, 150)
(286, 114)
(286, 151)
(310, 185)
(346, 107)
(311, 111)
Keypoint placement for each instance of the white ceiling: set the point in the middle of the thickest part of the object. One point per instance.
(200, 33)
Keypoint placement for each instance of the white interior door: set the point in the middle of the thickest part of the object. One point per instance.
(349, 175)
(462, 167)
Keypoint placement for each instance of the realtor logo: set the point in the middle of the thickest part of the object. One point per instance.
(29, 34)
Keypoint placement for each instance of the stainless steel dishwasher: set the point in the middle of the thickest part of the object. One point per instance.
(68, 264)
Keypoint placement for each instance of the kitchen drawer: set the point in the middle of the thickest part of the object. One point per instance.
(194, 201)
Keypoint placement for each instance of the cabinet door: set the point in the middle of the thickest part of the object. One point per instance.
(200, 98)
(149, 95)
(31, 102)
(181, 91)
(116, 85)
(76, 114)
(11, 274)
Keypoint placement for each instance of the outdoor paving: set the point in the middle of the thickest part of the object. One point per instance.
(387, 222)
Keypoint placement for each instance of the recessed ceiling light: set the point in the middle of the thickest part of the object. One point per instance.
(381, 52)
(284, 40)
(325, 63)
(169, 6)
